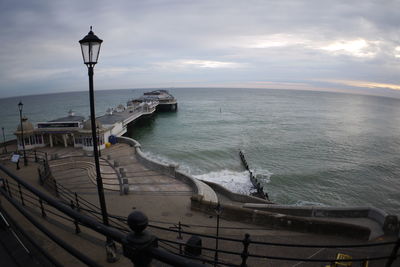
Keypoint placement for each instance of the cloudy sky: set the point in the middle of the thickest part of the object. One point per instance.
(321, 45)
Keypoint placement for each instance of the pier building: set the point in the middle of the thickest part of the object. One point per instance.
(73, 130)
(166, 101)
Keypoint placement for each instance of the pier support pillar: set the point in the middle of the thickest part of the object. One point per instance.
(51, 140)
(65, 140)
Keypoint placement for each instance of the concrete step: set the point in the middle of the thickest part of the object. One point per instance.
(109, 176)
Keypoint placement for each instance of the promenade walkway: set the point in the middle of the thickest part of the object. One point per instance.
(166, 201)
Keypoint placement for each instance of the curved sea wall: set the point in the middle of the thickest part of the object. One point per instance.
(282, 222)
(167, 169)
(235, 196)
(388, 222)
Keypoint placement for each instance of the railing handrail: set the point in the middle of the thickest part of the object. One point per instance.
(87, 221)
(120, 237)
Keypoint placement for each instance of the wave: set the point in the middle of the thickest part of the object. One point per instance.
(235, 181)
(238, 182)
(308, 203)
(159, 158)
(263, 175)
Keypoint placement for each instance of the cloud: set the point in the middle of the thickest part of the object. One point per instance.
(365, 84)
(168, 41)
(357, 48)
(268, 41)
(197, 63)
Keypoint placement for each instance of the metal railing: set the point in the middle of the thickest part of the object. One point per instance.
(21, 194)
(70, 208)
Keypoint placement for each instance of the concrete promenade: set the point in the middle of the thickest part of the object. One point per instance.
(166, 201)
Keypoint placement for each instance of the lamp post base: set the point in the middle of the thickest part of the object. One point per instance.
(111, 250)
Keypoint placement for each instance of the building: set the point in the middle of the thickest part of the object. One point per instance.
(75, 131)
(166, 101)
(67, 131)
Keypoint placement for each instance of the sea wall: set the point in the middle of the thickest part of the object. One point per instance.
(166, 169)
(281, 221)
(235, 196)
(389, 223)
(261, 212)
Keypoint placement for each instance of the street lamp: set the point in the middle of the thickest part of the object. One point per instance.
(90, 46)
(4, 140)
(218, 211)
(98, 136)
(20, 106)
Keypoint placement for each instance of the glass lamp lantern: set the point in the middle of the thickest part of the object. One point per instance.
(20, 106)
(90, 46)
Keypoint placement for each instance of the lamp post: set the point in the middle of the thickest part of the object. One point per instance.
(98, 136)
(4, 140)
(20, 106)
(218, 211)
(90, 46)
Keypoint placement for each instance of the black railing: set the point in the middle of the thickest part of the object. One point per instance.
(72, 208)
(51, 206)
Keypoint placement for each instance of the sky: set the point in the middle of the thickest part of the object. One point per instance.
(349, 46)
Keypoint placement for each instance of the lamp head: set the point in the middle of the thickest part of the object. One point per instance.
(20, 106)
(90, 46)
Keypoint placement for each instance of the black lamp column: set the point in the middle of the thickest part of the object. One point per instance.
(98, 136)
(20, 106)
(90, 46)
(218, 211)
(4, 140)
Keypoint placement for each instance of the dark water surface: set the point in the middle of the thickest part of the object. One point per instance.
(312, 147)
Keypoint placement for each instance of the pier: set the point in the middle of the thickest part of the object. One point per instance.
(74, 130)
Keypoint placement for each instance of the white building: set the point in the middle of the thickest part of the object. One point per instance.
(75, 131)
(67, 131)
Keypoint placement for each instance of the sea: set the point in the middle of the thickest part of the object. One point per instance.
(308, 147)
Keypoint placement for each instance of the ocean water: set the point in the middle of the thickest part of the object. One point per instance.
(312, 148)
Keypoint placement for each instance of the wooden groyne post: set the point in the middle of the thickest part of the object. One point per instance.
(253, 179)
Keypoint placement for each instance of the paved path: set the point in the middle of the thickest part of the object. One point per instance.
(141, 179)
(77, 173)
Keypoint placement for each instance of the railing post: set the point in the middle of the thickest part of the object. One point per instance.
(137, 242)
(42, 208)
(218, 211)
(180, 236)
(8, 188)
(77, 202)
(36, 159)
(20, 194)
(77, 229)
(41, 180)
(245, 253)
(393, 254)
(55, 187)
